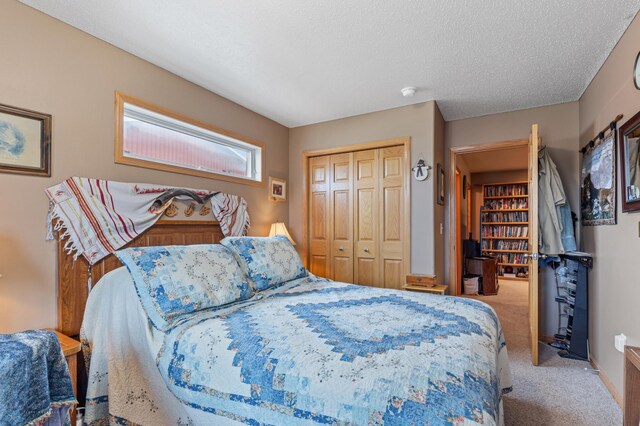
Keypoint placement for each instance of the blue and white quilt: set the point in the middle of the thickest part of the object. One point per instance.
(35, 385)
(311, 351)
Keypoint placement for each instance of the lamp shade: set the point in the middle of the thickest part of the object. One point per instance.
(279, 228)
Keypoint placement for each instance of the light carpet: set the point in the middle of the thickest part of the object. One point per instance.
(557, 392)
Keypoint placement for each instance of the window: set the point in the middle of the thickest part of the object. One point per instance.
(149, 136)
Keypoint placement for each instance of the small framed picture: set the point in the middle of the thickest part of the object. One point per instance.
(277, 189)
(440, 189)
(25, 141)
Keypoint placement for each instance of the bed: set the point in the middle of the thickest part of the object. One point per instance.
(302, 351)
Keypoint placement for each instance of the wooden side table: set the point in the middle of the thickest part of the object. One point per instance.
(424, 284)
(422, 280)
(631, 386)
(70, 349)
(433, 288)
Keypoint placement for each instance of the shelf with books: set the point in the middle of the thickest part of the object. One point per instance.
(502, 223)
(504, 210)
(505, 238)
(490, 250)
(497, 197)
(504, 229)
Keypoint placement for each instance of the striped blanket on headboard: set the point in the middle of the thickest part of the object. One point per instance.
(100, 216)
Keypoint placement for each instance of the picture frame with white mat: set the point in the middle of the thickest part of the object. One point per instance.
(277, 189)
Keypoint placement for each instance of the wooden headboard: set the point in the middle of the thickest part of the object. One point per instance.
(73, 275)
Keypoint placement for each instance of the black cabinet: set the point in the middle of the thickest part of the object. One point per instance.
(572, 280)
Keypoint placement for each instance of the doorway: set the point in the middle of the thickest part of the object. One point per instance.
(493, 215)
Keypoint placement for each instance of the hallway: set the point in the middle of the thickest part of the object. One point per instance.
(557, 392)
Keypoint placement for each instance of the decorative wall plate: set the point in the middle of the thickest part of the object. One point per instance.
(421, 170)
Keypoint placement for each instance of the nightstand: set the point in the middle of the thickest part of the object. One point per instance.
(631, 386)
(70, 348)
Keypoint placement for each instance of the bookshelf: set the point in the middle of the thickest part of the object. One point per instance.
(504, 226)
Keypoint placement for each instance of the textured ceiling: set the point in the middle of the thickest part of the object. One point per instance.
(306, 61)
(498, 160)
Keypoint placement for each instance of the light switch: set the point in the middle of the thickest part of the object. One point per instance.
(620, 342)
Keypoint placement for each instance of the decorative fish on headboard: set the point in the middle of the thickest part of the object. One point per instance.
(160, 203)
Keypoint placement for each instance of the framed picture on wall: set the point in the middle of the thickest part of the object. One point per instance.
(598, 181)
(277, 189)
(440, 186)
(629, 143)
(25, 141)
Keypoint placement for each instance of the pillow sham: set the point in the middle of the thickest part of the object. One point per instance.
(268, 261)
(175, 280)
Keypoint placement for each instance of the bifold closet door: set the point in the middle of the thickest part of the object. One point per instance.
(391, 214)
(341, 208)
(319, 216)
(366, 224)
(356, 217)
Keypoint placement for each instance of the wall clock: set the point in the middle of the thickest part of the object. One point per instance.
(636, 72)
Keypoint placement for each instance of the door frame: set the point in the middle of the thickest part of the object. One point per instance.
(404, 141)
(458, 226)
(453, 206)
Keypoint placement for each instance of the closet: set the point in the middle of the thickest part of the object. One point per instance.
(358, 217)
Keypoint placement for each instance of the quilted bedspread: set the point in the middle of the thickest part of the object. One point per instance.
(315, 351)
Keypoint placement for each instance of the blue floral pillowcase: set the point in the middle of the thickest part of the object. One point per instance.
(175, 280)
(268, 261)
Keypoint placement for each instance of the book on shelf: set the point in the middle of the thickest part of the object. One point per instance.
(506, 204)
(505, 190)
(511, 258)
(515, 245)
(505, 231)
(505, 217)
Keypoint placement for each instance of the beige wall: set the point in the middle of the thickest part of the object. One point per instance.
(51, 67)
(416, 121)
(559, 132)
(615, 283)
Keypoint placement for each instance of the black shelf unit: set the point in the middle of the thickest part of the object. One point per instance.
(572, 283)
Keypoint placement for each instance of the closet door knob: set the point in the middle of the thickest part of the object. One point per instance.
(341, 248)
(366, 250)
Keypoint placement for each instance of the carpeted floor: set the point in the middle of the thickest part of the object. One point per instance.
(557, 392)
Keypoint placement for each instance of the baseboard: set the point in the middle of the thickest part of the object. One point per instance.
(607, 383)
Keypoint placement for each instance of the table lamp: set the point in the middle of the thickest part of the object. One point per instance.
(278, 228)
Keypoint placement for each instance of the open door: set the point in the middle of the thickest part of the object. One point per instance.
(459, 236)
(534, 143)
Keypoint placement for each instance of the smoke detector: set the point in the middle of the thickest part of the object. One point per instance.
(408, 92)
